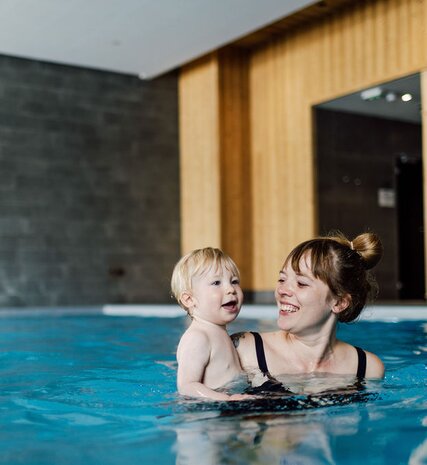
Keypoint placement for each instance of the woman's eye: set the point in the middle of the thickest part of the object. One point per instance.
(281, 280)
(302, 284)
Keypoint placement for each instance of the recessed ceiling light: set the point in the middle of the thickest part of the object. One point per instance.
(390, 97)
(371, 94)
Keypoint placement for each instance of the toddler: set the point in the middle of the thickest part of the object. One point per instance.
(206, 283)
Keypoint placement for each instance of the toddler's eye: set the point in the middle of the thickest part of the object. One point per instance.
(216, 283)
(235, 281)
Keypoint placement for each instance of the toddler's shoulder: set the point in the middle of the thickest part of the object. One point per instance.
(194, 342)
(194, 336)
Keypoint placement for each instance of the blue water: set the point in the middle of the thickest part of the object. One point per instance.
(101, 390)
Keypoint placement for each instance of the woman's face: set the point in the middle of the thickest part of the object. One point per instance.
(305, 302)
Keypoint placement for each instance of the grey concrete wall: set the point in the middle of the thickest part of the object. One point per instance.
(89, 187)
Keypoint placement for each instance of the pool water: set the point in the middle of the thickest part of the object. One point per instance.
(101, 390)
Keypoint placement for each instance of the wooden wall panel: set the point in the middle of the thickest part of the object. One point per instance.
(235, 184)
(283, 188)
(215, 163)
(199, 155)
(360, 46)
(363, 44)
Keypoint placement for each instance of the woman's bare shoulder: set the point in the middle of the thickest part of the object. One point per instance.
(242, 339)
(247, 338)
(374, 366)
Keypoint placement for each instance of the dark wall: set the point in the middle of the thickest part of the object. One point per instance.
(89, 189)
(357, 156)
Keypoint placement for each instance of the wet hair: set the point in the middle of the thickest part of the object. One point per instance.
(196, 263)
(343, 265)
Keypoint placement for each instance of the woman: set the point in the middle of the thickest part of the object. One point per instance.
(323, 281)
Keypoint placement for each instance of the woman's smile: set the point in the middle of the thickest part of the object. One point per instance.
(288, 308)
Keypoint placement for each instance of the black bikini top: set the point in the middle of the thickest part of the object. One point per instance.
(262, 363)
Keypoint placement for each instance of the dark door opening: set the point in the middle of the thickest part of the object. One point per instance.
(409, 186)
(369, 178)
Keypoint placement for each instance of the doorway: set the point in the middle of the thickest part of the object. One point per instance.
(409, 187)
(369, 177)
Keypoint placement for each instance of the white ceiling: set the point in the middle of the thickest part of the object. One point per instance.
(142, 37)
(150, 37)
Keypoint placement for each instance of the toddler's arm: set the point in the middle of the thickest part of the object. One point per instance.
(193, 357)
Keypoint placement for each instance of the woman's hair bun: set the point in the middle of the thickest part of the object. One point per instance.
(368, 245)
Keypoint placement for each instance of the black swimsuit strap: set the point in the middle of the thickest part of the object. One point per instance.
(361, 366)
(262, 363)
(260, 354)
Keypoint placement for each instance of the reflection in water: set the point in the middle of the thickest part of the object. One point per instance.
(419, 455)
(285, 439)
(384, 423)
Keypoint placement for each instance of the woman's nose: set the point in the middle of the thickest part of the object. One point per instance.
(284, 289)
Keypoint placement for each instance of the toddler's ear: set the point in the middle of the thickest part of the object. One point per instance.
(186, 299)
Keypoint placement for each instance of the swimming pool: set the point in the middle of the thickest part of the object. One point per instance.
(90, 388)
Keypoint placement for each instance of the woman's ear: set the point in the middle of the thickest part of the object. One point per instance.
(341, 303)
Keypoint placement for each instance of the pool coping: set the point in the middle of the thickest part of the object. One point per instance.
(386, 313)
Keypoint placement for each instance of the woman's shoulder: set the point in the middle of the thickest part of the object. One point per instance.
(248, 337)
(374, 366)
(241, 339)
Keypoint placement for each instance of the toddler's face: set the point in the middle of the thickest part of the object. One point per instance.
(216, 296)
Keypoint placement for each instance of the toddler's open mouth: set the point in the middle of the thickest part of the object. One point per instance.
(231, 306)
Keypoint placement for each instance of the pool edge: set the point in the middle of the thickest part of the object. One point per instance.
(386, 313)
